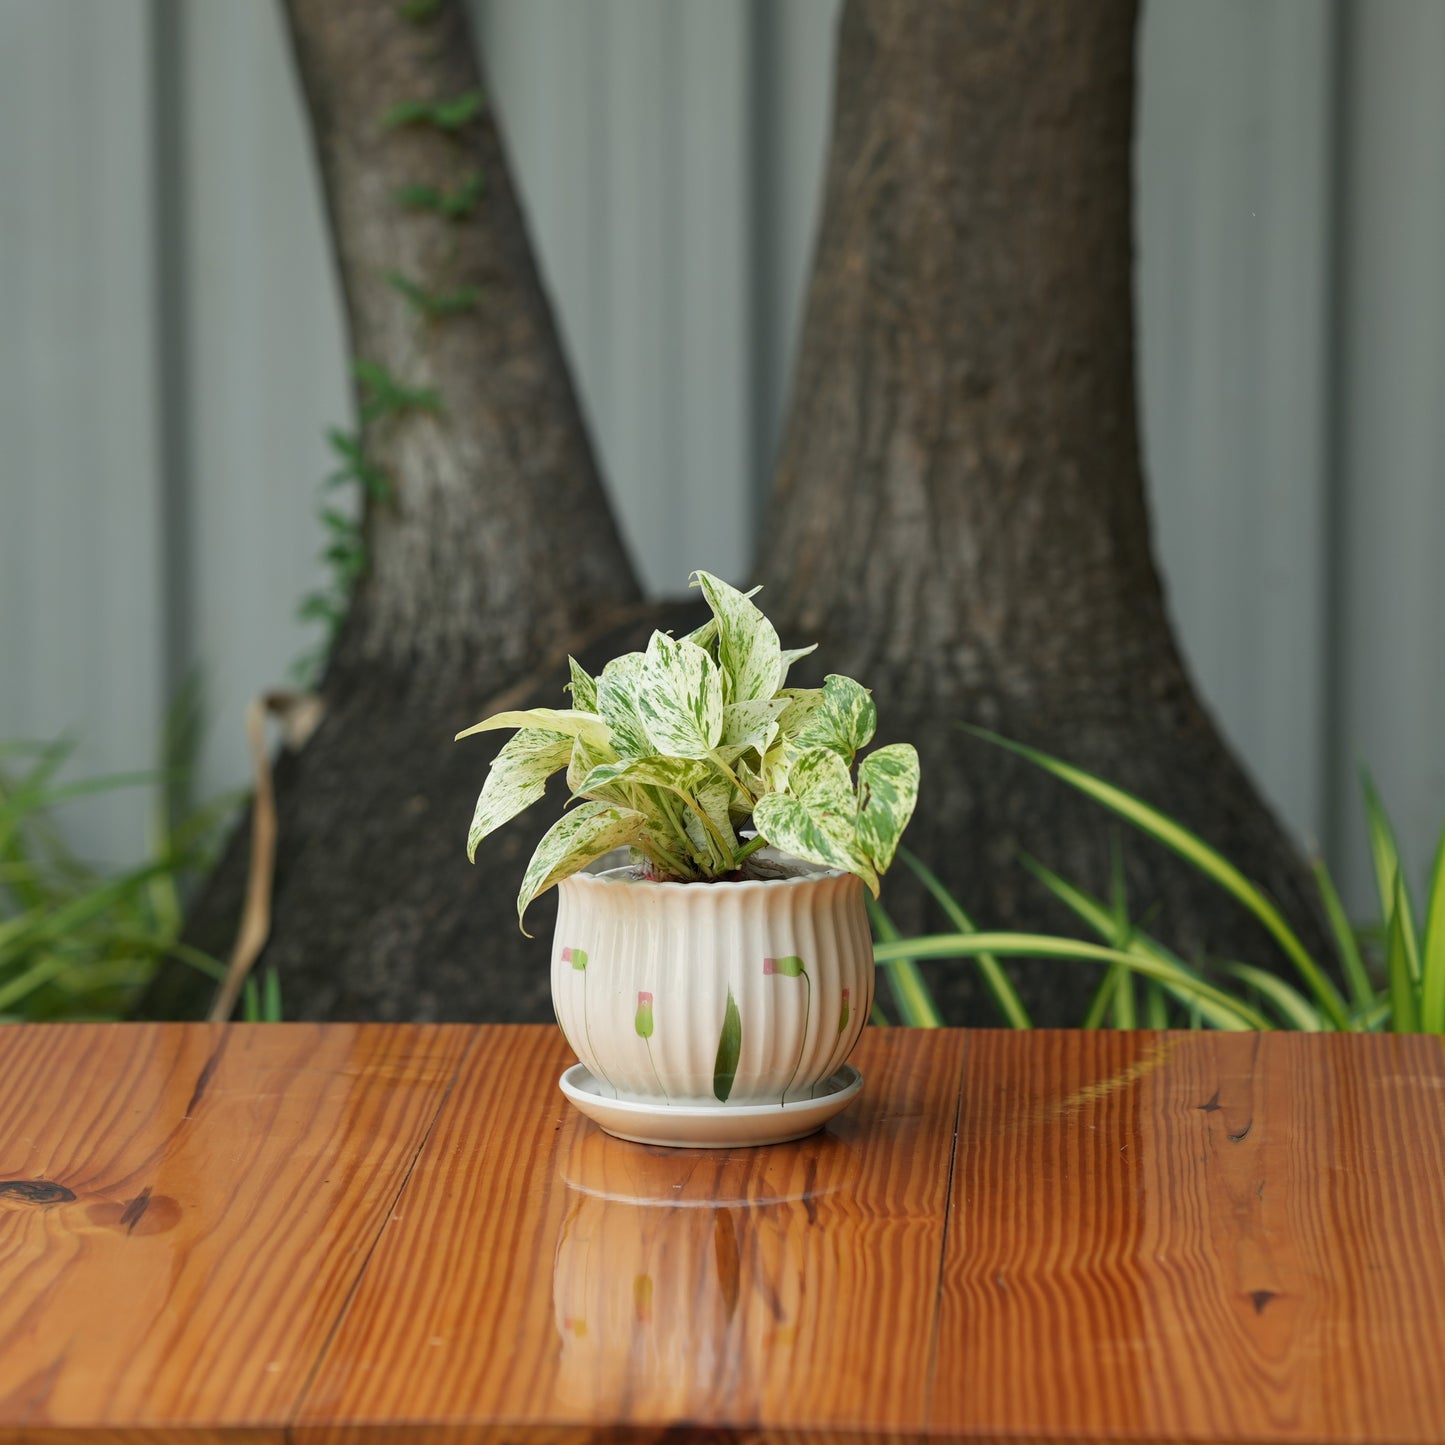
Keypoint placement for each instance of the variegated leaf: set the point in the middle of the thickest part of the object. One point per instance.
(820, 778)
(843, 719)
(617, 691)
(584, 758)
(752, 780)
(887, 793)
(517, 779)
(583, 687)
(680, 698)
(748, 650)
(714, 797)
(572, 842)
(564, 720)
(790, 656)
(802, 703)
(706, 635)
(816, 818)
(788, 825)
(678, 775)
(750, 726)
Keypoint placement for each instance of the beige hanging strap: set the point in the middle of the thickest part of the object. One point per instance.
(299, 713)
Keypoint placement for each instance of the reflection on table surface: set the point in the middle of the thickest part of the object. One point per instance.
(674, 1268)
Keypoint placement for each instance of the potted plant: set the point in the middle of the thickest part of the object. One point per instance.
(715, 977)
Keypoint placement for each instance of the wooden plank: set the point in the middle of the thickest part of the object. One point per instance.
(1200, 1236)
(187, 1209)
(541, 1281)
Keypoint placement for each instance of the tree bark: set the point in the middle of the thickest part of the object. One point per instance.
(497, 555)
(959, 508)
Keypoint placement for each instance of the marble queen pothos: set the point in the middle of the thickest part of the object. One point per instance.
(676, 751)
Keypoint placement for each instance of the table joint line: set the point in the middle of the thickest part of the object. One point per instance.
(931, 1381)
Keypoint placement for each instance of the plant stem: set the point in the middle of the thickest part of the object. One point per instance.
(748, 849)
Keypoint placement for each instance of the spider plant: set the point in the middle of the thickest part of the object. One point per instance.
(1325, 995)
(78, 941)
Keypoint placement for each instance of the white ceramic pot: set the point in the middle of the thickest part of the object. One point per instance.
(712, 993)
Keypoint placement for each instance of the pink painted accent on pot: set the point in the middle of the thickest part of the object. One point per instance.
(770, 967)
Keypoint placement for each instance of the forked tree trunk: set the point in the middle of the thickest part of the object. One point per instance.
(959, 513)
(959, 508)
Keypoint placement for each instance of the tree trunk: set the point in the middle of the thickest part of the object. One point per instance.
(959, 511)
(959, 514)
(496, 556)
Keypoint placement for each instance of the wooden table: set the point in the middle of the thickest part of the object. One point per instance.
(368, 1233)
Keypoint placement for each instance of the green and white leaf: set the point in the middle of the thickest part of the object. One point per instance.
(679, 775)
(844, 719)
(802, 703)
(713, 798)
(887, 795)
(572, 842)
(517, 779)
(748, 650)
(816, 818)
(706, 635)
(680, 698)
(750, 727)
(791, 655)
(587, 755)
(617, 691)
(584, 687)
(564, 720)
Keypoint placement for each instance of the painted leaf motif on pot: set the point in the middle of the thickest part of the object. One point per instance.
(517, 779)
(729, 1051)
(642, 1020)
(572, 842)
(887, 794)
(788, 967)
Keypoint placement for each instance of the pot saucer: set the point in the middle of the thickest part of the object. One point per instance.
(710, 1126)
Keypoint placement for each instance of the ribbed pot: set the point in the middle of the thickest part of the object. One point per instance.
(712, 993)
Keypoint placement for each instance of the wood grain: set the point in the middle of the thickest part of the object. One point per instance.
(543, 1281)
(1196, 1237)
(185, 1209)
(268, 1233)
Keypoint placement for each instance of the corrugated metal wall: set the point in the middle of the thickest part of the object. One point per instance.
(171, 345)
